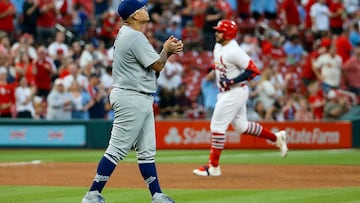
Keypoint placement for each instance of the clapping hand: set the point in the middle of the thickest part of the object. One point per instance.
(173, 45)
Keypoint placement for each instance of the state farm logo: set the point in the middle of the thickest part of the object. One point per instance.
(311, 136)
(53, 135)
(193, 136)
(17, 134)
(173, 137)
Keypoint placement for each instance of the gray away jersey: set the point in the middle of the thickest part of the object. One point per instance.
(133, 54)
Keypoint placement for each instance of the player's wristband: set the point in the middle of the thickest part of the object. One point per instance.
(246, 75)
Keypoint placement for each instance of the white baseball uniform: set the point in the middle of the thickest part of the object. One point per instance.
(233, 67)
(230, 61)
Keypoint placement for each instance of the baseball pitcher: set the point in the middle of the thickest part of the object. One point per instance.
(134, 81)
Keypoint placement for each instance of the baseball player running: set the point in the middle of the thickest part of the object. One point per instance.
(134, 73)
(233, 68)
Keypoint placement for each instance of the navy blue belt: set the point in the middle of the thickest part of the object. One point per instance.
(141, 92)
(242, 84)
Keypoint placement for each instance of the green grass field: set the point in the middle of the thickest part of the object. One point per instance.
(50, 194)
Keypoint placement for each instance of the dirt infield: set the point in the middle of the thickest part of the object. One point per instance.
(238, 176)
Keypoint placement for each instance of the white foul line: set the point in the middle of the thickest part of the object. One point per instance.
(34, 162)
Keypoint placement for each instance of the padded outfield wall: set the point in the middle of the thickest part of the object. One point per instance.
(193, 134)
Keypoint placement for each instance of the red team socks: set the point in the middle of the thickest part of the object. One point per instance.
(217, 144)
(218, 140)
(214, 156)
(257, 130)
(267, 134)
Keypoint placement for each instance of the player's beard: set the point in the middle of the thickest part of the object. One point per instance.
(219, 40)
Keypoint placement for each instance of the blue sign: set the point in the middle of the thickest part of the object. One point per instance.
(43, 135)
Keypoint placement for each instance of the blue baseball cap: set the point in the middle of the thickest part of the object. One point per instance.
(128, 7)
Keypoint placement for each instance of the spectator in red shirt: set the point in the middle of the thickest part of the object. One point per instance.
(343, 45)
(224, 6)
(351, 71)
(273, 51)
(7, 15)
(307, 7)
(43, 71)
(316, 100)
(290, 13)
(110, 21)
(191, 36)
(307, 75)
(336, 18)
(199, 8)
(24, 68)
(243, 9)
(46, 20)
(7, 95)
(64, 7)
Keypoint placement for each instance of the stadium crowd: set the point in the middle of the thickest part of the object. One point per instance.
(56, 57)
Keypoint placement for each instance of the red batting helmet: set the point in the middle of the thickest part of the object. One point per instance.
(228, 27)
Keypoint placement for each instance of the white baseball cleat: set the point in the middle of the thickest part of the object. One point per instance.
(93, 197)
(161, 198)
(207, 170)
(280, 142)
